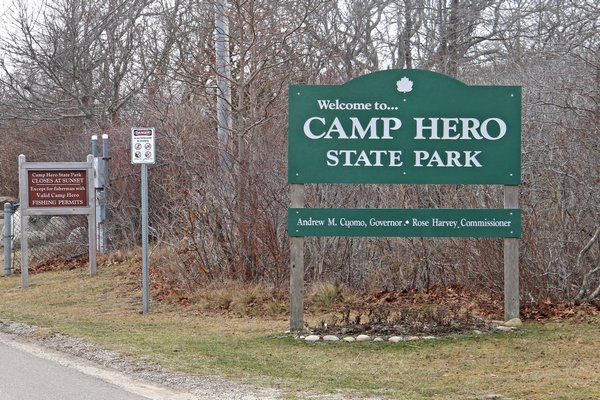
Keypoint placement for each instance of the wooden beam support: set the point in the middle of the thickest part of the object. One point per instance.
(511, 261)
(297, 267)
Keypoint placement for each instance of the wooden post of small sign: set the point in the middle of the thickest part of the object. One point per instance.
(297, 266)
(511, 261)
(24, 223)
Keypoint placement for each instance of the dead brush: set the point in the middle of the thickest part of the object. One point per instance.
(405, 319)
(324, 296)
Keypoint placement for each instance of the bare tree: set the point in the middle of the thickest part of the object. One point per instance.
(79, 60)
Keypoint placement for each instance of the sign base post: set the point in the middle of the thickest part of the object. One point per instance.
(297, 267)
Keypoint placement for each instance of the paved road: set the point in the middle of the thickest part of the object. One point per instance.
(28, 372)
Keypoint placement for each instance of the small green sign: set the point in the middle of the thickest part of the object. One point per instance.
(404, 126)
(437, 222)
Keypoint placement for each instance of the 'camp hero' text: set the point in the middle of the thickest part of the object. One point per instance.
(425, 128)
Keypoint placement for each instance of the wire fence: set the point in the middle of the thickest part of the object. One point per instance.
(50, 237)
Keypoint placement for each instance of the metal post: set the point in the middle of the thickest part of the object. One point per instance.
(92, 246)
(102, 239)
(145, 284)
(105, 155)
(105, 159)
(97, 192)
(95, 145)
(7, 237)
(101, 188)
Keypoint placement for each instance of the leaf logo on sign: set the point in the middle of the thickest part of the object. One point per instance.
(404, 85)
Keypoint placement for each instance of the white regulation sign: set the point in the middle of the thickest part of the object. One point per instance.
(143, 150)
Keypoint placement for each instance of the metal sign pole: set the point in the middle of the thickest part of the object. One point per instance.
(145, 284)
(101, 182)
(143, 152)
(102, 236)
(7, 236)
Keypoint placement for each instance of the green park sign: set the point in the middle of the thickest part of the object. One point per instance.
(404, 126)
(403, 222)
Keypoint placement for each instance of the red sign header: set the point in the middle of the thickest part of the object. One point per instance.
(54, 188)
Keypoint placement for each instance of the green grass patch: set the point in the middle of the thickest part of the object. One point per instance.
(542, 361)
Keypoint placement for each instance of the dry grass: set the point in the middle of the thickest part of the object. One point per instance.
(325, 296)
(542, 362)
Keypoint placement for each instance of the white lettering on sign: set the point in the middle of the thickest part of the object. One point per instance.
(337, 105)
(448, 158)
(426, 128)
(386, 128)
(364, 158)
(459, 128)
(376, 128)
(310, 222)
